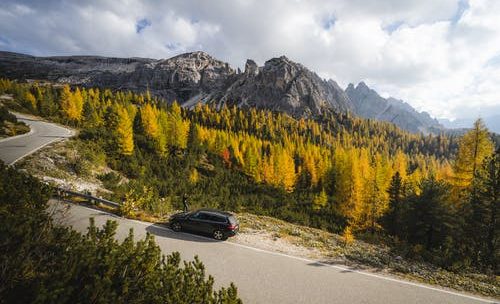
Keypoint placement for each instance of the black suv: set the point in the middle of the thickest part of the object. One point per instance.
(220, 225)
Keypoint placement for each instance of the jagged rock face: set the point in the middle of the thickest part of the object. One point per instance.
(251, 68)
(189, 75)
(283, 85)
(178, 78)
(367, 103)
(280, 85)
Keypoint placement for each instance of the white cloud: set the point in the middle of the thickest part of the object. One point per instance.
(437, 55)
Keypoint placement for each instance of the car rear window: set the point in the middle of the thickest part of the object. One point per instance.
(217, 218)
(232, 220)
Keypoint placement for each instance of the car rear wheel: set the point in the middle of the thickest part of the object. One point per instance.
(176, 227)
(219, 235)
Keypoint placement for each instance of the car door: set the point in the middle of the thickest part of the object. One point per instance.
(210, 223)
(197, 222)
(191, 222)
(217, 222)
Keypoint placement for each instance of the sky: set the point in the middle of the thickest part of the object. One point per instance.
(440, 56)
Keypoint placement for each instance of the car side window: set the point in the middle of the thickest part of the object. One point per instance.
(203, 216)
(209, 217)
(218, 218)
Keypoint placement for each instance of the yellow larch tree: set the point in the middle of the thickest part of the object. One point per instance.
(71, 103)
(124, 132)
(473, 148)
(268, 170)
(285, 170)
(162, 138)
(30, 101)
(149, 121)
(178, 128)
(401, 165)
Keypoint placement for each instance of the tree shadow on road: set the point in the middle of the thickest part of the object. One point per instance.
(162, 231)
(55, 136)
(29, 119)
(14, 146)
(157, 229)
(344, 268)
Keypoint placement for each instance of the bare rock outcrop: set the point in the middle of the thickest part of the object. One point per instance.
(279, 85)
(283, 85)
(368, 103)
(178, 78)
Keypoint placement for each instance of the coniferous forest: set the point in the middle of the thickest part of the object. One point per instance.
(43, 262)
(433, 197)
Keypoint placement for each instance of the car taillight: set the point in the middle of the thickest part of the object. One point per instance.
(232, 226)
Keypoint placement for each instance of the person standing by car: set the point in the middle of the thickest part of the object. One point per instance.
(185, 203)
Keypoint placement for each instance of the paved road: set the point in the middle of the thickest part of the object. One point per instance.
(42, 133)
(266, 277)
(261, 276)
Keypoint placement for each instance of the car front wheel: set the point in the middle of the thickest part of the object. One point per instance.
(219, 235)
(176, 227)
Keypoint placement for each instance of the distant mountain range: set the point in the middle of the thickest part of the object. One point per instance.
(492, 122)
(369, 104)
(279, 85)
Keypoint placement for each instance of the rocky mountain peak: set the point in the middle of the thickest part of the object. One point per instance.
(280, 85)
(279, 60)
(251, 68)
(197, 61)
(286, 86)
(369, 104)
(200, 55)
(362, 86)
(361, 89)
(283, 63)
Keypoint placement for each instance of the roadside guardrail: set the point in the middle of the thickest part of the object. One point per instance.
(60, 191)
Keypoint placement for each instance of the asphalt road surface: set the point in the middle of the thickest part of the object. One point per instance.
(41, 134)
(261, 276)
(267, 277)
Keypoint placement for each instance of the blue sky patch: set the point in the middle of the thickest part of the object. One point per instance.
(493, 61)
(141, 25)
(173, 46)
(463, 5)
(4, 41)
(393, 26)
(329, 22)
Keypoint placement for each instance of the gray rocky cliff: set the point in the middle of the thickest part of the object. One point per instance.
(177, 78)
(283, 85)
(368, 103)
(279, 85)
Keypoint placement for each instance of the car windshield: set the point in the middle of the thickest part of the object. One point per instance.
(195, 214)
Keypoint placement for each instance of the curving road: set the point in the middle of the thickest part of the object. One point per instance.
(41, 134)
(268, 277)
(261, 276)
